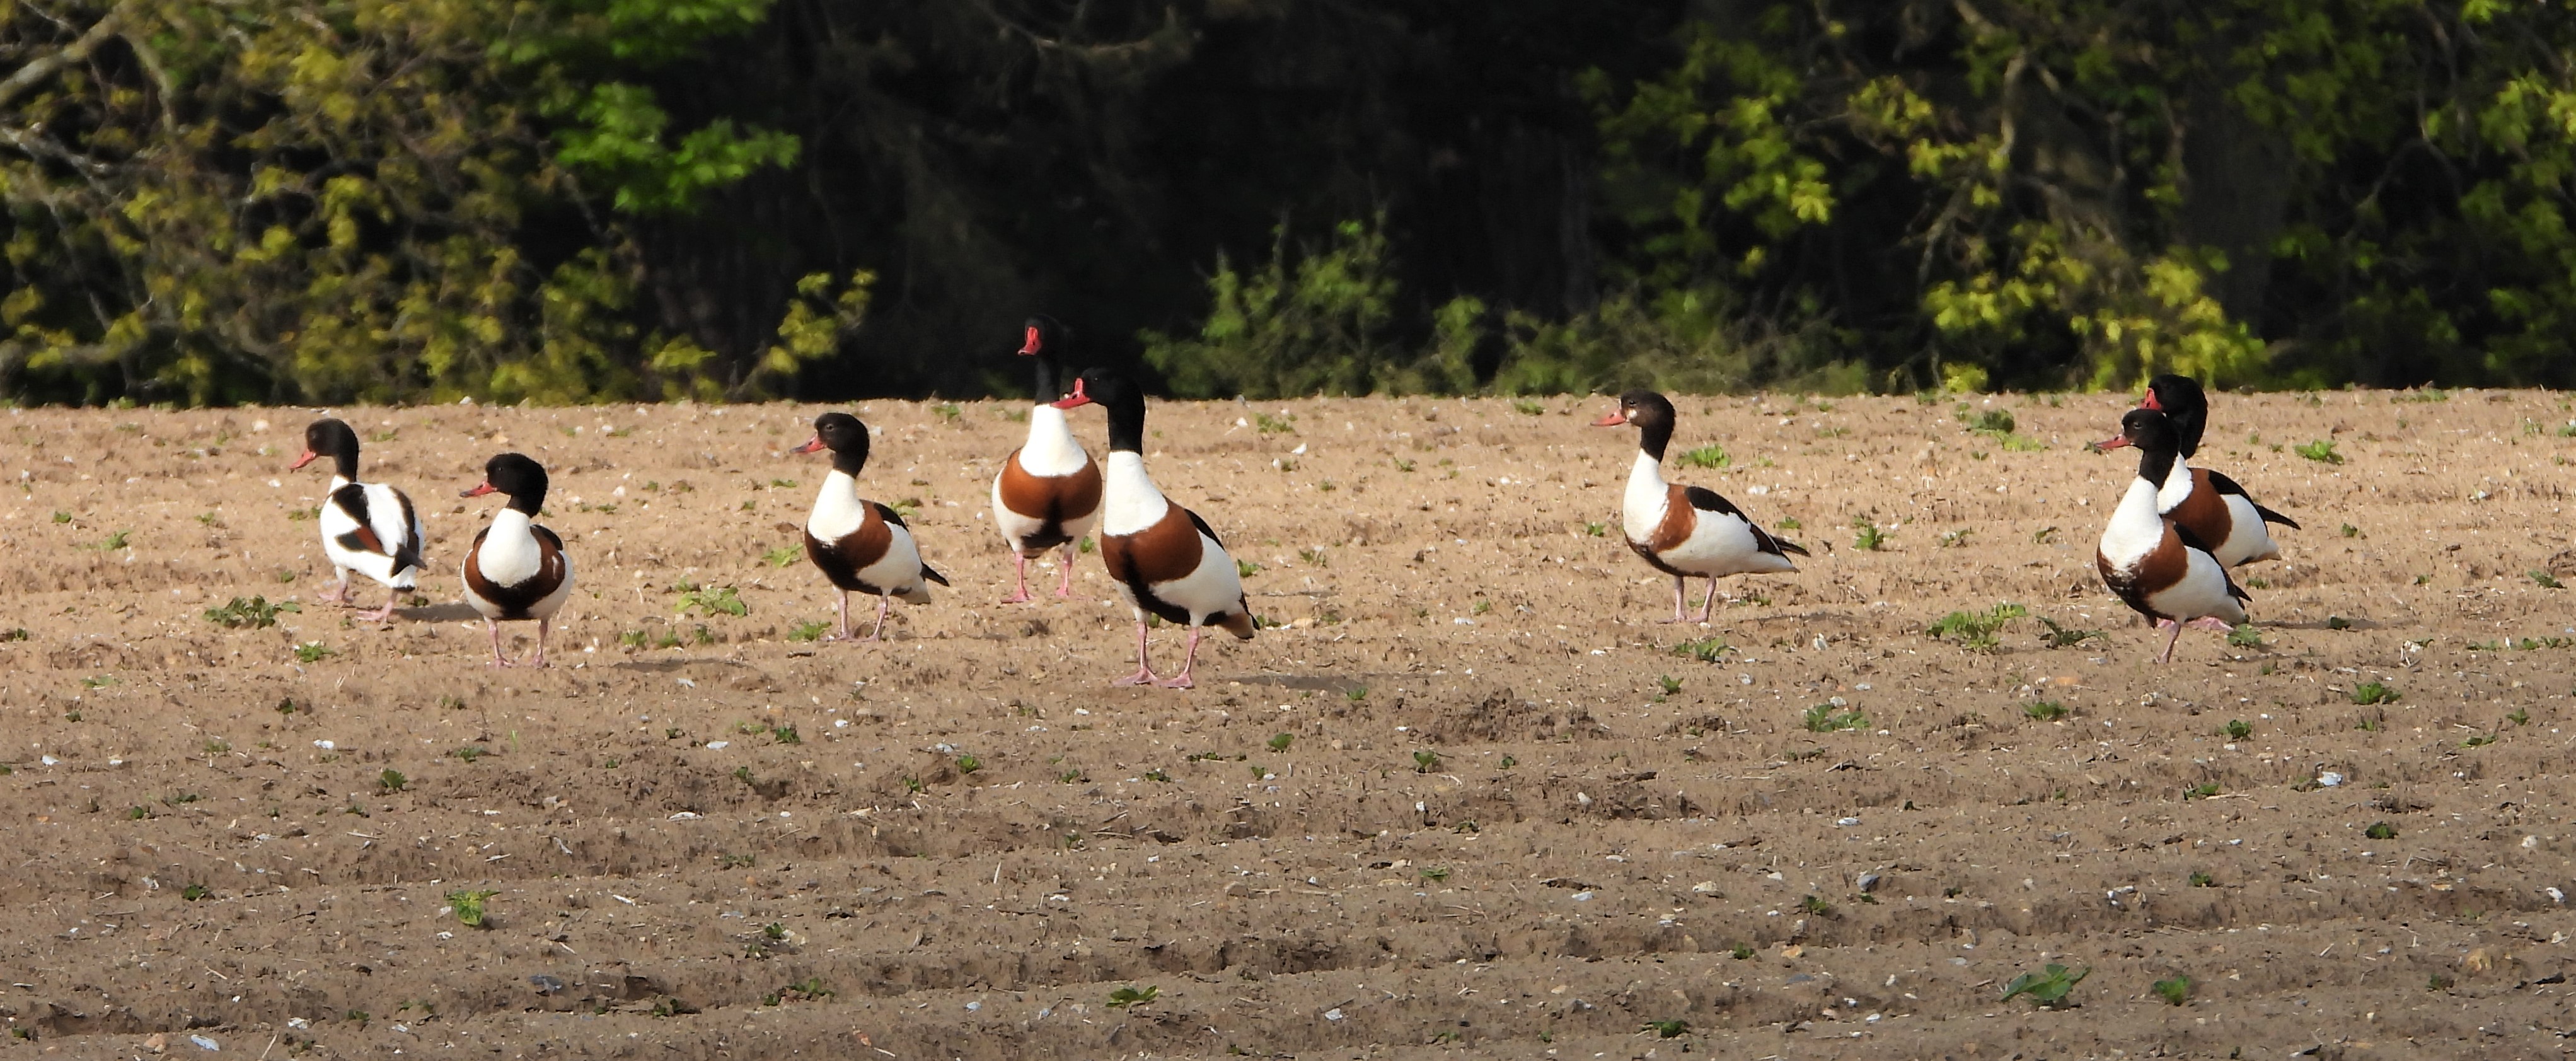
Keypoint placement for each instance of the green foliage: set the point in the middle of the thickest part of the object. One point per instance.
(331, 201)
(1975, 631)
(2175, 990)
(2048, 987)
(312, 652)
(1667, 1029)
(1825, 718)
(2245, 635)
(2044, 710)
(2322, 450)
(1130, 997)
(468, 906)
(2380, 831)
(1708, 456)
(2237, 729)
(709, 600)
(1425, 762)
(1317, 321)
(253, 613)
(2368, 693)
(1868, 536)
(1706, 649)
(2065, 636)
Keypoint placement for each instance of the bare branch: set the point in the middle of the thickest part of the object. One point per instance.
(35, 72)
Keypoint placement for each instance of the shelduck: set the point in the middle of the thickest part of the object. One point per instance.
(369, 528)
(1048, 493)
(2213, 506)
(517, 569)
(1165, 560)
(862, 546)
(2159, 567)
(1686, 531)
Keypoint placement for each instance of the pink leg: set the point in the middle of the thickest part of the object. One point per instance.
(1064, 583)
(878, 634)
(1677, 600)
(1708, 604)
(1144, 671)
(2212, 622)
(498, 660)
(385, 613)
(842, 607)
(339, 594)
(2169, 643)
(539, 660)
(1020, 595)
(1189, 660)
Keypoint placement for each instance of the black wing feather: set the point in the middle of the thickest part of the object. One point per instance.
(2225, 486)
(891, 516)
(1201, 524)
(1707, 500)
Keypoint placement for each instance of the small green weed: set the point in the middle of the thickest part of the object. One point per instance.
(810, 631)
(1824, 718)
(2044, 710)
(1272, 425)
(113, 542)
(1131, 997)
(469, 906)
(1868, 537)
(1279, 742)
(710, 600)
(1667, 1029)
(1528, 406)
(1815, 905)
(784, 555)
(312, 652)
(1246, 569)
(2237, 729)
(1975, 631)
(469, 753)
(1426, 761)
(967, 764)
(195, 892)
(2368, 693)
(2245, 636)
(2200, 791)
(2175, 990)
(2545, 580)
(2065, 636)
(2322, 451)
(2203, 880)
(1668, 684)
(1705, 650)
(392, 781)
(2048, 987)
(252, 613)
(2380, 831)
(1709, 456)
(785, 735)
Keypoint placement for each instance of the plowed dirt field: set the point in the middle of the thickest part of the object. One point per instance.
(1464, 796)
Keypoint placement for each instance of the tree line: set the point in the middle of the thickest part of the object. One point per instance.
(585, 200)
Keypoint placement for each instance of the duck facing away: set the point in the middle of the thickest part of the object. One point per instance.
(369, 528)
(1165, 560)
(2154, 564)
(2211, 505)
(1048, 493)
(1686, 531)
(861, 546)
(517, 569)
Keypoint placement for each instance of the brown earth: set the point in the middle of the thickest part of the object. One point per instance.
(1488, 830)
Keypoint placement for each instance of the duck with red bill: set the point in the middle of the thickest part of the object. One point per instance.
(2213, 506)
(369, 528)
(517, 570)
(1047, 495)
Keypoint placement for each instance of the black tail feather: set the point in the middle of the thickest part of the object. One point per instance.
(2270, 516)
(933, 575)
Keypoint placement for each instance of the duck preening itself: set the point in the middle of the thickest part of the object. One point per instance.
(1165, 560)
(369, 528)
(2212, 506)
(517, 569)
(862, 546)
(1048, 493)
(2156, 565)
(1685, 531)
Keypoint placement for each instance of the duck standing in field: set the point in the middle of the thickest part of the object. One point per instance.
(517, 569)
(369, 528)
(860, 545)
(2211, 505)
(2153, 563)
(1685, 531)
(1048, 493)
(1164, 558)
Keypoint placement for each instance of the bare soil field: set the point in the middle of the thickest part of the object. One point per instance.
(1464, 797)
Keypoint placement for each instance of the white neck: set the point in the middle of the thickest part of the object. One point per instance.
(509, 555)
(337, 482)
(1051, 448)
(1130, 502)
(2177, 486)
(837, 509)
(1641, 508)
(2136, 528)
